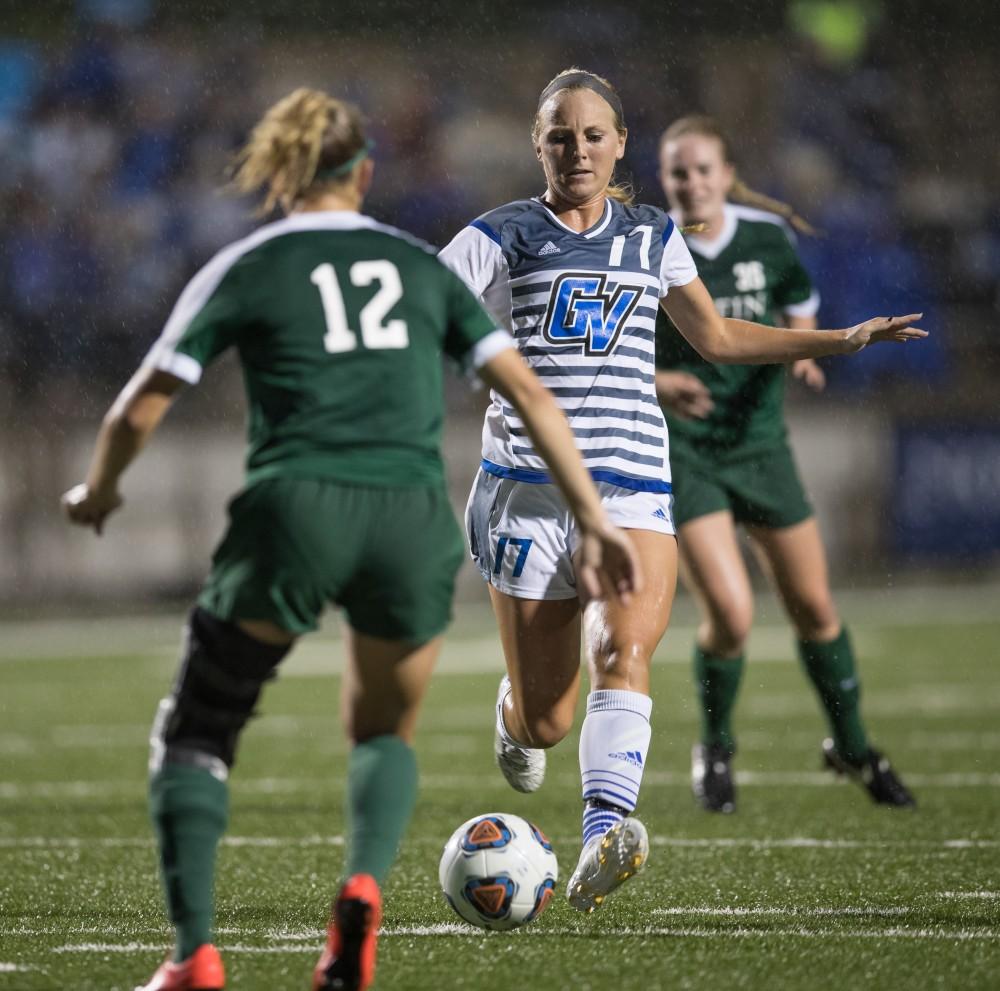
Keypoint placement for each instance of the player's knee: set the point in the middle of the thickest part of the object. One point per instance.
(815, 617)
(221, 676)
(618, 655)
(360, 727)
(544, 730)
(622, 665)
(726, 631)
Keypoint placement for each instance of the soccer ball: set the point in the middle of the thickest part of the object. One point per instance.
(498, 871)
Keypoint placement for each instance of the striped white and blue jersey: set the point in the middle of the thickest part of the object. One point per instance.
(582, 308)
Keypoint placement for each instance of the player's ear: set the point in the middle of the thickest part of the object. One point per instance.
(366, 173)
(729, 171)
(620, 153)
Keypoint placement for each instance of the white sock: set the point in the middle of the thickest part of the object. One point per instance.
(614, 743)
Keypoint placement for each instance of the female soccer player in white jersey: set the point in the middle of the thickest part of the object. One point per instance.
(577, 274)
(339, 323)
(732, 465)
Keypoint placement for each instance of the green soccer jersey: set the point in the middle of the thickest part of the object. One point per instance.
(340, 323)
(752, 273)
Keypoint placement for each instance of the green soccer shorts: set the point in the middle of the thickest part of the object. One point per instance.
(760, 489)
(387, 556)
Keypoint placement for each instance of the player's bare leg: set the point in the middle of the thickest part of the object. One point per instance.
(537, 698)
(614, 741)
(795, 560)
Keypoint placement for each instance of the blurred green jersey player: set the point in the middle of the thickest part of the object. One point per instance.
(731, 464)
(339, 323)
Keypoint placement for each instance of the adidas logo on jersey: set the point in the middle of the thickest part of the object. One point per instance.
(633, 757)
(548, 249)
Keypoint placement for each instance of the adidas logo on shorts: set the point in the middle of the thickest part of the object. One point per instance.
(548, 249)
(661, 515)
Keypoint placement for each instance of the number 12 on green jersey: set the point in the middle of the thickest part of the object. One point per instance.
(375, 334)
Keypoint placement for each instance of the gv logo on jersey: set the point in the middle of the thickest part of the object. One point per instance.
(581, 310)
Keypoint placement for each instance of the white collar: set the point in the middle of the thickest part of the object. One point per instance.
(712, 249)
(598, 228)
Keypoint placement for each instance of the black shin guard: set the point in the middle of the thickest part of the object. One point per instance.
(221, 676)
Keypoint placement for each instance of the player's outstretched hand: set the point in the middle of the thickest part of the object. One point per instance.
(684, 395)
(895, 329)
(608, 565)
(806, 370)
(87, 508)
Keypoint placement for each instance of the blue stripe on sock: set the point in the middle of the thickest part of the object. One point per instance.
(597, 821)
(630, 778)
(603, 822)
(625, 784)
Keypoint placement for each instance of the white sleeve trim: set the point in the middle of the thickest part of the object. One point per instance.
(198, 292)
(181, 365)
(487, 348)
(677, 267)
(479, 262)
(807, 308)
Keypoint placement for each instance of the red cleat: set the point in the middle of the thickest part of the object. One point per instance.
(202, 971)
(348, 961)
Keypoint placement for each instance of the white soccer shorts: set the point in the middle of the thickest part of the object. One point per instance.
(523, 537)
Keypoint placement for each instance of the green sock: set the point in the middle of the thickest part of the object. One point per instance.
(381, 791)
(717, 680)
(189, 808)
(831, 669)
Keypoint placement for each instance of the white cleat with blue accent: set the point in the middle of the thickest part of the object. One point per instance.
(607, 862)
(522, 767)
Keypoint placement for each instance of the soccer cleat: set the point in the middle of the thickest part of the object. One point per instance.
(606, 862)
(348, 960)
(874, 773)
(523, 767)
(202, 971)
(712, 777)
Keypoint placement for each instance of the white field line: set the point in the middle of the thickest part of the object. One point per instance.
(65, 790)
(462, 929)
(306, 842)
(13, 968)
(809, 843)
(449, 930)
(158, 931)
(970, 894)
(436, 738)
(729, 912)
(111, 842)
(934, 741)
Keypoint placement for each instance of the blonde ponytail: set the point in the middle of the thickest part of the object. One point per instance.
(742, 193)
(298, 144)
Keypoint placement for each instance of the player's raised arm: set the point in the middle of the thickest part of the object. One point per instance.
(724, 340)
(608, 562)
(128, 424)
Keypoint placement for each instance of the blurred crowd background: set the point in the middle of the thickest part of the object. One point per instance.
(874, 119)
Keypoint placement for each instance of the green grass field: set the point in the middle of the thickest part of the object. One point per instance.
(808, 886)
